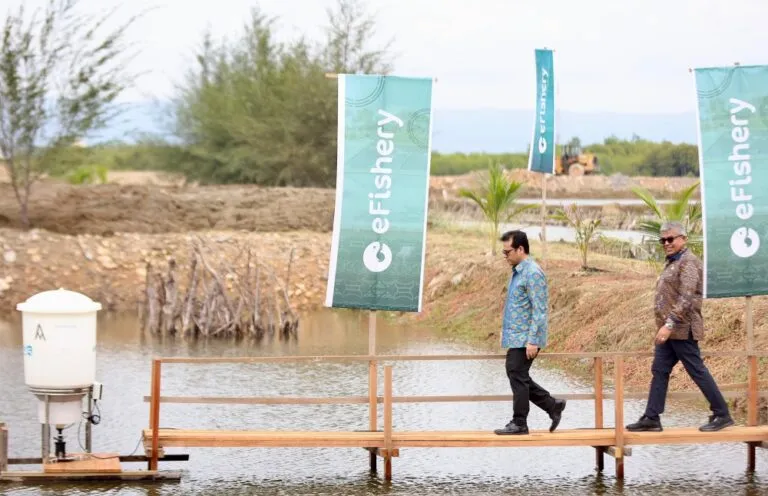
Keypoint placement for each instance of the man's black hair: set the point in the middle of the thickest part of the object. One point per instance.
(519, 238)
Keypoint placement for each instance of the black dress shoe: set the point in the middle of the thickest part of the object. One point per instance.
(645, 424)
(512, 428)
(556, 414)
(716, 423)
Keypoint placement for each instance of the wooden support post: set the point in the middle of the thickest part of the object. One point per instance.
(388, 422)
(372, 384)
(154, 413)
(599, 450)
(3, 448)
(752, 407)
(619, 417)
(752, 393)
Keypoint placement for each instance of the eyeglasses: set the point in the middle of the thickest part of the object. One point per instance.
(669, 239)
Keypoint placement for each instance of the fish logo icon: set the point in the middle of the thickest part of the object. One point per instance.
(745, 242)
(377, 257)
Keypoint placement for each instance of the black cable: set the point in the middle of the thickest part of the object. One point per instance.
(95, 419)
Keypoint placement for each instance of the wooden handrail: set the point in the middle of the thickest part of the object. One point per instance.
(365, 400)
(402, 358)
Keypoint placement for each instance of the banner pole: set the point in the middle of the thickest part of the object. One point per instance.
(544, 220)
(750, 327)
(372, 383)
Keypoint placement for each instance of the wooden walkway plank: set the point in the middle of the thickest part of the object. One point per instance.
(692, 435)
(85, 464)
(437, 439)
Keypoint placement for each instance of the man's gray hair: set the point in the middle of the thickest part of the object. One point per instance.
(677, 226)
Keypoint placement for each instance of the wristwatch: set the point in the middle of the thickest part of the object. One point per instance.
(669, 324)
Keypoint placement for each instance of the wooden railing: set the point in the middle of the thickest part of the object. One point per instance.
(387, 399)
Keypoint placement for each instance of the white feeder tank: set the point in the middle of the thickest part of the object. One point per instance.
(59, 336)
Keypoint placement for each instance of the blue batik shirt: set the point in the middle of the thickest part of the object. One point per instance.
(525, 311)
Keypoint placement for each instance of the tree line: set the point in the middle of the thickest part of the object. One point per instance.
(634, 157)
(628, 157)
(251, 109)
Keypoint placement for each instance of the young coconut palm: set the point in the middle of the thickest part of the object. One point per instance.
(496, 198)
(681, 210)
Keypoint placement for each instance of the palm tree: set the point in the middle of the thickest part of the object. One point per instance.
(680, 210)
(496, 198)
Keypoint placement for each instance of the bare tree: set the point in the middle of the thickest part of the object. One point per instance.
(60, 73)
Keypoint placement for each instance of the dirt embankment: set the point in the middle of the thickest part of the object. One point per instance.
(136, 202)
(117, 208)
(593, 186)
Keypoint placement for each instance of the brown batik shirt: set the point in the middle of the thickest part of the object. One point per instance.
(679, 294)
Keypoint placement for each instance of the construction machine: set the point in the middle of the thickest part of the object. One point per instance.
(575, 162)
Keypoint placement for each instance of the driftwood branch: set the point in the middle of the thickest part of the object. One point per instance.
(219, 299)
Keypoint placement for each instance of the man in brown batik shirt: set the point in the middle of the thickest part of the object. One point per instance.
(680, 328)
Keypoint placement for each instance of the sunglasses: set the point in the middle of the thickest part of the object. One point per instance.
(669, 239)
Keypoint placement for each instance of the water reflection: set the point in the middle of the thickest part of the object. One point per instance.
(123, 365)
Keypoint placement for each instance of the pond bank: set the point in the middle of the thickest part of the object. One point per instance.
(605, 310)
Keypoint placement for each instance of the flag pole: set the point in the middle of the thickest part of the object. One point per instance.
(544, 220)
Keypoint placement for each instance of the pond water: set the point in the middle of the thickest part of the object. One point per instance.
(123, 365)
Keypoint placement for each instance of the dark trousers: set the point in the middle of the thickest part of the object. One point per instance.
(665, 358)
(524, 389)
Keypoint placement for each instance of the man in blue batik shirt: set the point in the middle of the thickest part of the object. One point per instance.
(524, 333)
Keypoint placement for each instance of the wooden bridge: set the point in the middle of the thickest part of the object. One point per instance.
(386, 443)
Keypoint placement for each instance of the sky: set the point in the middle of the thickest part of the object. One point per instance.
(624, 56)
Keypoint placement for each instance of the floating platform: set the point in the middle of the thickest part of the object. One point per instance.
(134, 476)
(88, 467)
(86, 463)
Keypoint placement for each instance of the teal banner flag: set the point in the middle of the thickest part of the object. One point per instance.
(542, 154)
(733, 158)
(382, 189)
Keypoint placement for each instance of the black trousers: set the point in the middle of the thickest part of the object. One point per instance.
(524, 389)
(665, 358)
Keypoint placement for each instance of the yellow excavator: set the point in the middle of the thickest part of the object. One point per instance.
(575, 162)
